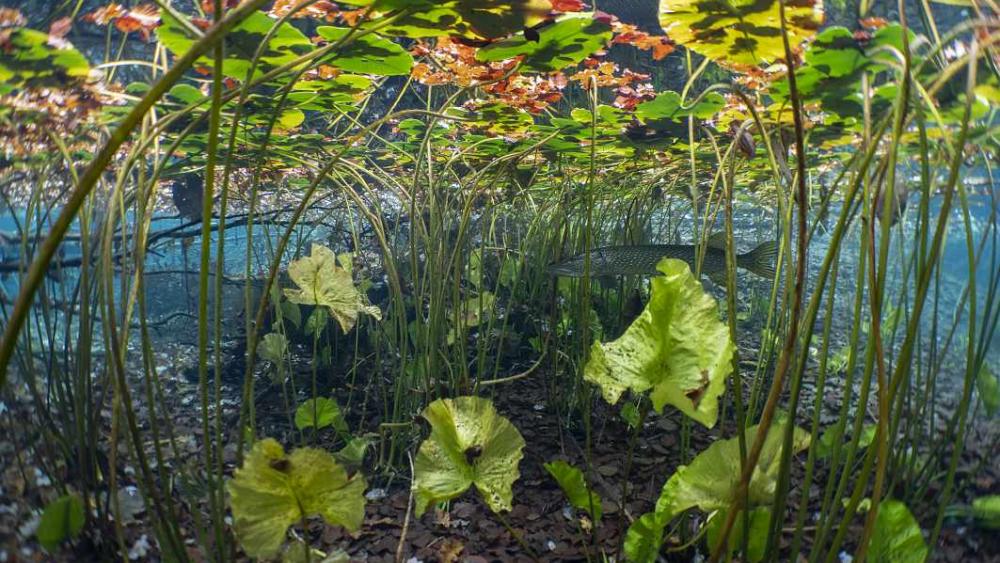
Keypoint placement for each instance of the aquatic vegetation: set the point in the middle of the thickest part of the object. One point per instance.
(272, 491)
(470, 444)
(481, 195)
(677, 349)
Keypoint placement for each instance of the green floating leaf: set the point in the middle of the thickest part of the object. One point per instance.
(496, 118)
(710, 482)
(739, 32)
(241, 43)
(31, 60)
(575, 487)
(667, 105)
(62, 519)
(760, 524)
(677, 348)
(481, 19)
(273, 491)
(986, 511)
(988, 386)
(896, 537)
(565, 43)
(319, 413)
(273, 347)
(368, 54)
(322, 282)
(470, 444)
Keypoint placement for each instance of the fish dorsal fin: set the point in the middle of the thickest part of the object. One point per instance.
(717, 240)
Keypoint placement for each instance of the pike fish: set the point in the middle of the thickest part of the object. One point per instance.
(641, 260)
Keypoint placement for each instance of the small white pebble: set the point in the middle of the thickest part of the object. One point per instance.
(376, 494)
(845, 557)
(140, 548)
(41, 479)
(551, 545)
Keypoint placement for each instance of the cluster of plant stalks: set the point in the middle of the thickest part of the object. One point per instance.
(456, 250)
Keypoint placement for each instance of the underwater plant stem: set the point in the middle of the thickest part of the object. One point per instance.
(39, 266)
(784, 359)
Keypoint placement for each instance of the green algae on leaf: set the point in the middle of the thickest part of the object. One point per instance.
(31, 60)
(61, 520)
(739, 32)
(273, 490)
(565, 43)
(710, 482)
(470, 444)
(322, 282)
(896, 537)
(677, 349)
(574, 486)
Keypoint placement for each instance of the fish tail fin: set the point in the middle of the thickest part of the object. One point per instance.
(760, 260)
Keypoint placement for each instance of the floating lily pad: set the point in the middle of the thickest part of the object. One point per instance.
(368, 54)
(29, 60)
(739, 32)
(668, 106)
(479, 19)
(558, 46)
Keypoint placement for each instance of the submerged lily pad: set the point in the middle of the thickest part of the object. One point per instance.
(322, 282)
(710, 482)
(574, 486)
(62, 519)
(739, 32)
(678, 349)
(470, 444)
(273, 490)
(896, 537)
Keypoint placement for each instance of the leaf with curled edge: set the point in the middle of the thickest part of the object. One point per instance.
(321, 281)
(709, 483)
(739, 33)
(677, 349)
(470, 444)
(274, 490)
